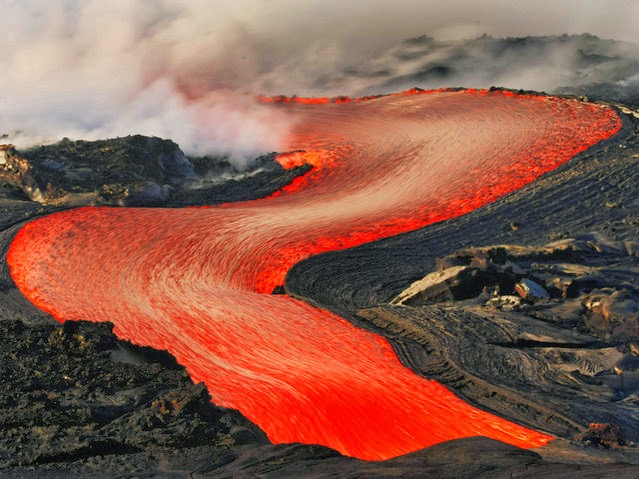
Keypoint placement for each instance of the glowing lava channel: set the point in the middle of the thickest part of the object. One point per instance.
(189, 280)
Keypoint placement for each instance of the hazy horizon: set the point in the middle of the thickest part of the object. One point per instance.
(187, 69)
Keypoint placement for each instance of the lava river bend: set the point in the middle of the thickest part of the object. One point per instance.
(196, 281)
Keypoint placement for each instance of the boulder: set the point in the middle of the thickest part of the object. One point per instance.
(602, 434)
(457, 282)
(531, 291)
(507, 302)
(618, 307)
(4, 153)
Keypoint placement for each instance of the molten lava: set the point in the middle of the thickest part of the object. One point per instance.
(190, 280)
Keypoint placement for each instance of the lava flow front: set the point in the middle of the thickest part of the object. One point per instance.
(192, 281)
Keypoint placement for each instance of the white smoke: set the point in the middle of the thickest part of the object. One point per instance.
(102, 69)
(189, 69)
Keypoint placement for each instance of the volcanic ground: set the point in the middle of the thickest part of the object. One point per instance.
(526, 334)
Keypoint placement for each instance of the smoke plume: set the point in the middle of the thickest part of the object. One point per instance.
(188, 70)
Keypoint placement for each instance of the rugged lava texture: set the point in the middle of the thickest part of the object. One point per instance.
(72, 392)
(574, 342)
(133, 171)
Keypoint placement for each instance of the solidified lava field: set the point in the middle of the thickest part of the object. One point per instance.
(197, 281)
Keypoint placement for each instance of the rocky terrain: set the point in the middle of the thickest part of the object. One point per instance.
(133, 171)
(76, 402)
(530, 330)
(538, 292)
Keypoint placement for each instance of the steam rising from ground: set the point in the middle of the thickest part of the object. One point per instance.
(187, 70)
(100, 69)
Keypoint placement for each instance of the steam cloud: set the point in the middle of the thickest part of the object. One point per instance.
(188, 70)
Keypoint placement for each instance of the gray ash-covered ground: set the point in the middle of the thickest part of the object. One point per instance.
(76, 402)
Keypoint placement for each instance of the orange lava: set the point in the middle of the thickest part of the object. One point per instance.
(191, 280)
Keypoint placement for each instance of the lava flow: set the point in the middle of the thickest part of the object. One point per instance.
(191, 280)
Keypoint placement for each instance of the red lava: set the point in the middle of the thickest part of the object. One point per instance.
(191, 280)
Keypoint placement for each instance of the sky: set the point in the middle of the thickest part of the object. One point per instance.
(187, 69)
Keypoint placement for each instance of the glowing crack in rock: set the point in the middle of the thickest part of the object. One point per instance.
(193, 281)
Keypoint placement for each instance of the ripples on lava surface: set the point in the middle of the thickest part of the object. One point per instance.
(196, 281)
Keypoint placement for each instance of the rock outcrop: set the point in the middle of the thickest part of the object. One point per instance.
(588, 283)
(72, 392)
(135, 171)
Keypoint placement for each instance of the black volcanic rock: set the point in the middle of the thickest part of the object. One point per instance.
(520, 366)
(133, 171)
(98, 171)
(454, 283)
(68, 396)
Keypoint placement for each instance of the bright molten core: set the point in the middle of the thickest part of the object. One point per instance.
(192, 280)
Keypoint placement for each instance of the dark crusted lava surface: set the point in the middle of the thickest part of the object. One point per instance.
(73, 392)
